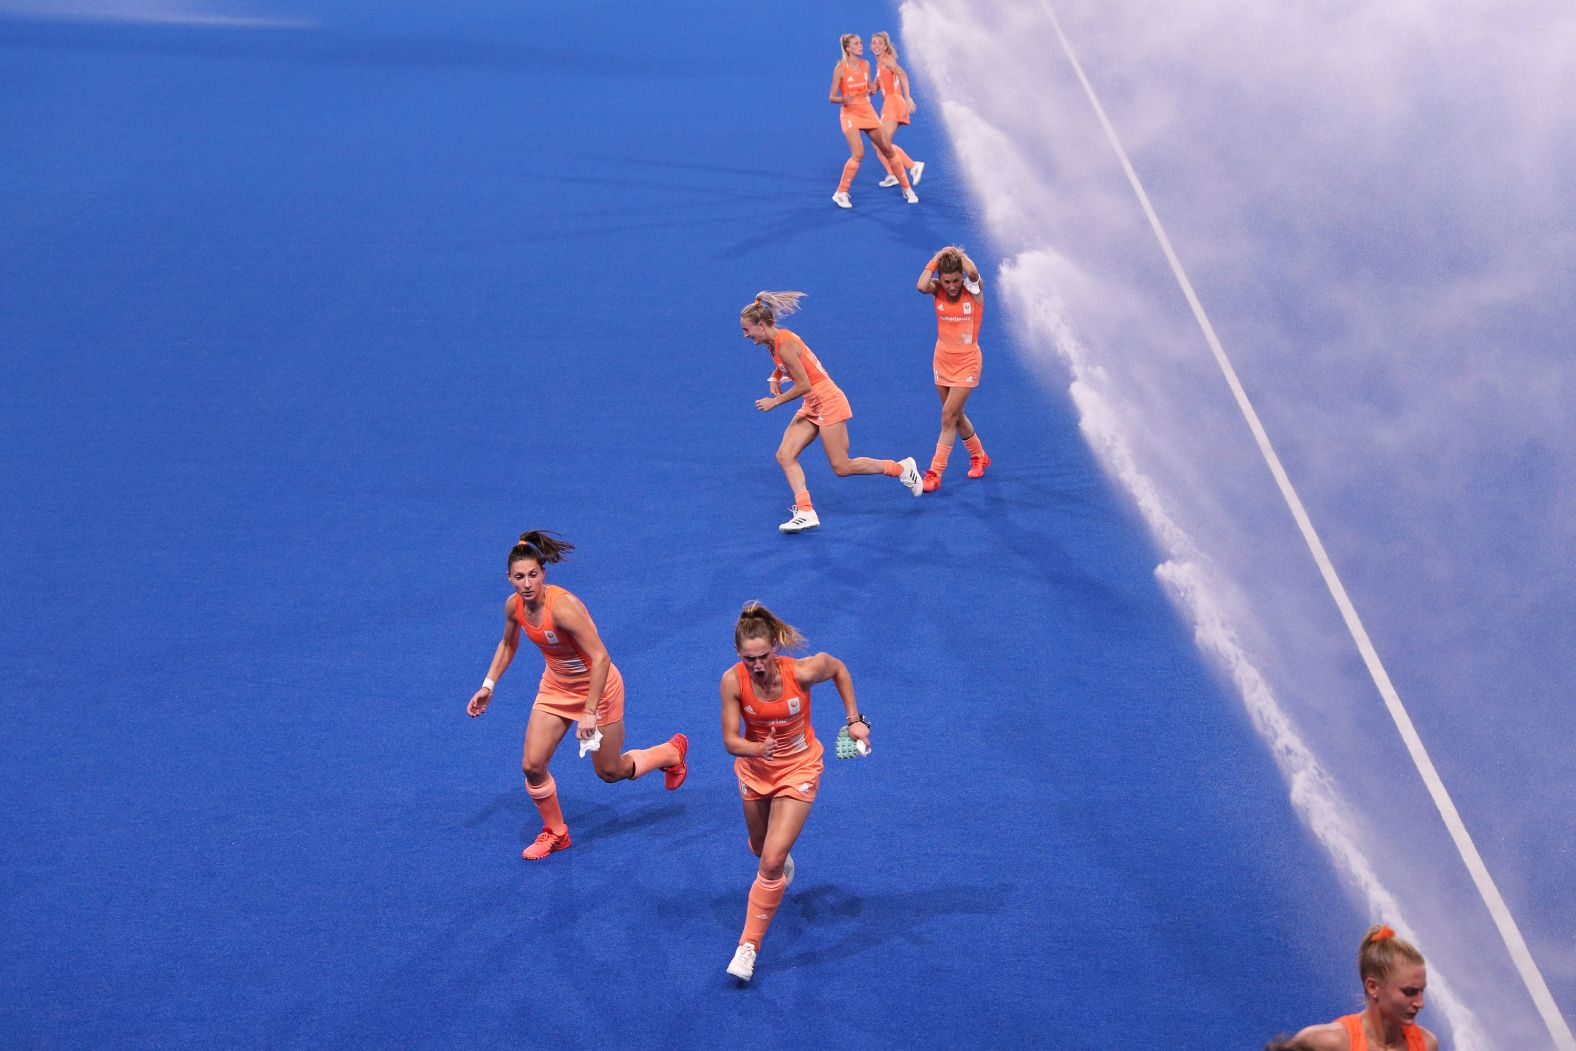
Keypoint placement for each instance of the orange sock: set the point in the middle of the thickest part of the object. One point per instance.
(850, 166)
(938, 463)
(801, 501)
(545, 795)
(765, 896)
(891, 469)
(973, 445)
(655, 758)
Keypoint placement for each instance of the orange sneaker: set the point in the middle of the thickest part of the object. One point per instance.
(545, 844)
(932, 481)
(977, 465)
(674, 775)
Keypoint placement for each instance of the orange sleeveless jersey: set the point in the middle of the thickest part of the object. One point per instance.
(788, 715)
(891, 98)
(1354, 1032)
(854, 81)
(812, 364)
(958, 321)
(567, 670)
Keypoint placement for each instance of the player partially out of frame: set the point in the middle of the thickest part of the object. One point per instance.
(1394, 977)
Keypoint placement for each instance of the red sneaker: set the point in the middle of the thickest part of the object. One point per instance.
(674, 775)
(932, 481)
(545, 844)
(977, 465)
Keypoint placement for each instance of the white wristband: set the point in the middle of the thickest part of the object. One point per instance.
(488, 684)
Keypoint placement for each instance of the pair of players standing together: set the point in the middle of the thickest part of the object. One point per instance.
(765, 696)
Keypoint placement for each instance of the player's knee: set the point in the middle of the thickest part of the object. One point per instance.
(772, 863)
(785, 457)
(951, 417)
(842, 468)
(535, 773)
(611, 775)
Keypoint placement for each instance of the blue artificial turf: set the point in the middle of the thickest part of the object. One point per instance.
(304, 325)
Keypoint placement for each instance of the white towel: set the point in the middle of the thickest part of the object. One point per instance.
(591, 744)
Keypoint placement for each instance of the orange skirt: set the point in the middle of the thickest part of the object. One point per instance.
(893, 106)
(797, 778)
(960, 367)
(564, 701)
(861, 115)
(825, 405)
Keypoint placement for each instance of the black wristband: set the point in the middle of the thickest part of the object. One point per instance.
(859, 718)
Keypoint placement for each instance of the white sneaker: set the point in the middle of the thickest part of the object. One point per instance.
(788, 872)
(911, 476)
(916, 172)
(805, 518)
(841, 200)
(743, 965)
(910, 196)
(890, 180)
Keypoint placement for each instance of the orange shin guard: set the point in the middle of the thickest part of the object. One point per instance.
(765, 896)
(938, 463)
(850, 166)
(545, 796)
(654, 758)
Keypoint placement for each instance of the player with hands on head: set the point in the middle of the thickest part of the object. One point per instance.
(580, 687)
(824, 414)
(766, 725)
(953, 281)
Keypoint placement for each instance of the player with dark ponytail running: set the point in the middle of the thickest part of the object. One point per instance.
(580, 687)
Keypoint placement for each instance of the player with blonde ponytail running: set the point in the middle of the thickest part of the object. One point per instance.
(825, 411)
(766, 724)
(580, 687)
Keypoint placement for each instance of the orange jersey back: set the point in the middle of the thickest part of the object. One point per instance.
(567, 665)
(854, 79)
(1353, 1025)
(958, 321)
(812, 364)
(788, 715)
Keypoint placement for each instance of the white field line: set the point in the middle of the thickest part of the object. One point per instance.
(1514, 943)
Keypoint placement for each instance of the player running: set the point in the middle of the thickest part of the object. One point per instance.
(825, 411)
(766, 724)
(580, 687)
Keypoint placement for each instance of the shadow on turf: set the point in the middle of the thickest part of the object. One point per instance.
(857, 923)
